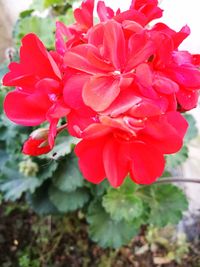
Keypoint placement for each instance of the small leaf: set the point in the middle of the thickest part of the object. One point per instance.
(43, 27)
(98, 190)
(47, 168)
(123, 204)
(64, 146)
(15, 184)
(68, 201)
(39, 201)
(167, 205)
(68, 177)
(107, 232)
(177, 159)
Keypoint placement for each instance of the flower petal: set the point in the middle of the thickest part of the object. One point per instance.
(100, 92)
(147, 163)
(87, 151)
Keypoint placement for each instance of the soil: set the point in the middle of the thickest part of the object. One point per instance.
(28, 240)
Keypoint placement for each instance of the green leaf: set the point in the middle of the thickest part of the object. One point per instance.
(26, 13)
(167, 204)
(177, 159)
(47, 169)
(107, 232)
(3, 158)
(48, 3)
(15, 184)
(68, 177)
(122, 203)
(98, 190)
(40, 202)
(192, 131)
(43, 27)
(64, 146)
(68, 201)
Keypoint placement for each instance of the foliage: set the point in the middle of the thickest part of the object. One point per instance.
(53, 184)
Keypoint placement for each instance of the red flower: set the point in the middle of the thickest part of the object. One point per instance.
(38, 95)
(129, 145)
(121, 85)
(109, 67)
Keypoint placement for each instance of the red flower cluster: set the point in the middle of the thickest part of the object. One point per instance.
(120, 84)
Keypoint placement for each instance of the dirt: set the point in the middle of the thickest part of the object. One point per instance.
(28, 240)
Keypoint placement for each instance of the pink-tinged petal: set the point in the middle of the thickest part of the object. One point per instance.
(114, 44)
(165, 85)
(188, 76)
(132, 26)
(148, 92)
(187, 99)
(182, 58)
(147, 7)
(144, 75)
(84, 14)
(61, 37)
(95, 35)
(90, 160)
(164, 48)
(140, 49)
(105, 13)
(25, 109)
(115, 163)
(100, 92)
(86, 58)
(178, 37)
(133, 15)
(125, 101)
(146, 162)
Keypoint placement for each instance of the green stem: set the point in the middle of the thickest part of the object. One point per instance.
(177, 180)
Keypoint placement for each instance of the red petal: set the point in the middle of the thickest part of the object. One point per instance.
(147, 163)
(165, 85)
(42, 64)
(140, 49)
(34, 147)
(126, 100)
(114, 44)
(90, 161)
(100, 92)
(105, 13)
(84, 14)
(25, 109)
(86, 58)
(115, 163)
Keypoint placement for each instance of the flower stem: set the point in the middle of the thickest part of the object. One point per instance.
(177, 180)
